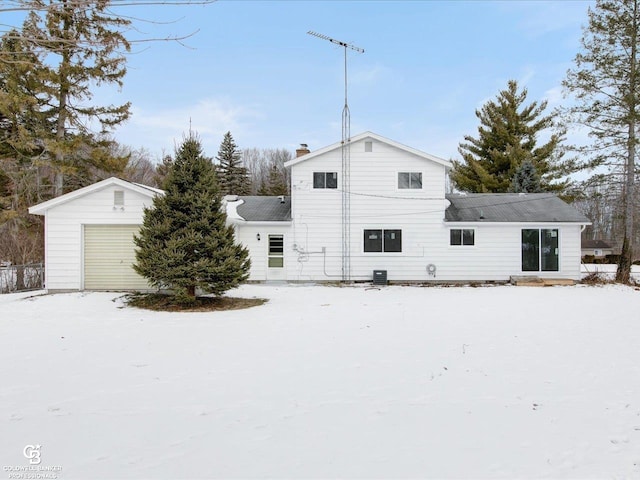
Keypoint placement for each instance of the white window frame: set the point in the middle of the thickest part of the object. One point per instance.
(409, 189)
(462, 244)
(313, 181)
(275, 255)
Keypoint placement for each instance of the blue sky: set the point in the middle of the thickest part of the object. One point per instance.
(428, 65)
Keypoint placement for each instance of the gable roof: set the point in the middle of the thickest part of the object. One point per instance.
(264, 209)
(511, 207)
(373, 136)
(41, 208)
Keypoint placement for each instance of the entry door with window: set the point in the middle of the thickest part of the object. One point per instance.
(275, 258)
(540, 250)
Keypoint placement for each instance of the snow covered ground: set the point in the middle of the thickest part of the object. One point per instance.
(607, 270)
(326, 382)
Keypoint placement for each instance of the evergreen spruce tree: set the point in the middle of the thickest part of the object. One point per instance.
(605, 83)
(275, 183)
(507, 136)
(526, 179)
(233, 177)
(184, 243)
(162, 170)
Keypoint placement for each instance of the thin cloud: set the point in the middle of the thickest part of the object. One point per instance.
(540, 18)
(368, 75)
(554, 96)
(210, 118)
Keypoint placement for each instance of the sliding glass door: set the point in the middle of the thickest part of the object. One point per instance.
(540, 250)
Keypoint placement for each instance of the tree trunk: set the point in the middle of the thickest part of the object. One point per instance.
(20, 278)
(623, 275)
(191, 291)
(63, 94)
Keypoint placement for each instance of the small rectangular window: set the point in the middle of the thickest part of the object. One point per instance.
(368, 146)
(325, 179)
(410, 180)
(118, 198)
(332, 180)
(468, 237)
(373, 240)
(393, 240)
(388, 241)
(462, 236)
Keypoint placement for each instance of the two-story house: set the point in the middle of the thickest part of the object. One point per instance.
(387, 212)
(401, 221)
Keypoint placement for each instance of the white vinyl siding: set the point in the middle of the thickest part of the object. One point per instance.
(64, 231)
(109, 253)
(378, 204)
(247, 235)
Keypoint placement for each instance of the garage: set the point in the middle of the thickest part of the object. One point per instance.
(109, 253)
(88, 236)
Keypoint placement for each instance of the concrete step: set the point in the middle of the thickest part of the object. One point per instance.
(535, 281)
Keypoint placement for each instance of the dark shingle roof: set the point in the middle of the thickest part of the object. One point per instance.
(265, 209)
(510, 207)
(596, 244)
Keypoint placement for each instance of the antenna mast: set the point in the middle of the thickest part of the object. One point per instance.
(346, 162)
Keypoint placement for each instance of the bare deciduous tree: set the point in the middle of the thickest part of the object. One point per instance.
(261, 164)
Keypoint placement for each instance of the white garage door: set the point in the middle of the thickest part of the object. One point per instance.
(108, 258)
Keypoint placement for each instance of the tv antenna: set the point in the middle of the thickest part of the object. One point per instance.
(346, 161)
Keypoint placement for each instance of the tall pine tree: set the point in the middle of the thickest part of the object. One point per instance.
(605, 83)
(184, 243)
(233, 177)
(82, 45)
(507, 137)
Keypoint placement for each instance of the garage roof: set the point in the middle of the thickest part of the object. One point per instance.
(41, 208)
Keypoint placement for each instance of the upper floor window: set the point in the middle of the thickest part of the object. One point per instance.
(325, 179)
(462, 236)
(383, 240)
(412, 180)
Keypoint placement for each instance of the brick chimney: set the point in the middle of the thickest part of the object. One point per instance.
(303, 150)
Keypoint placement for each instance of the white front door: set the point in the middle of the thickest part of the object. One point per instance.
(275, 257)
